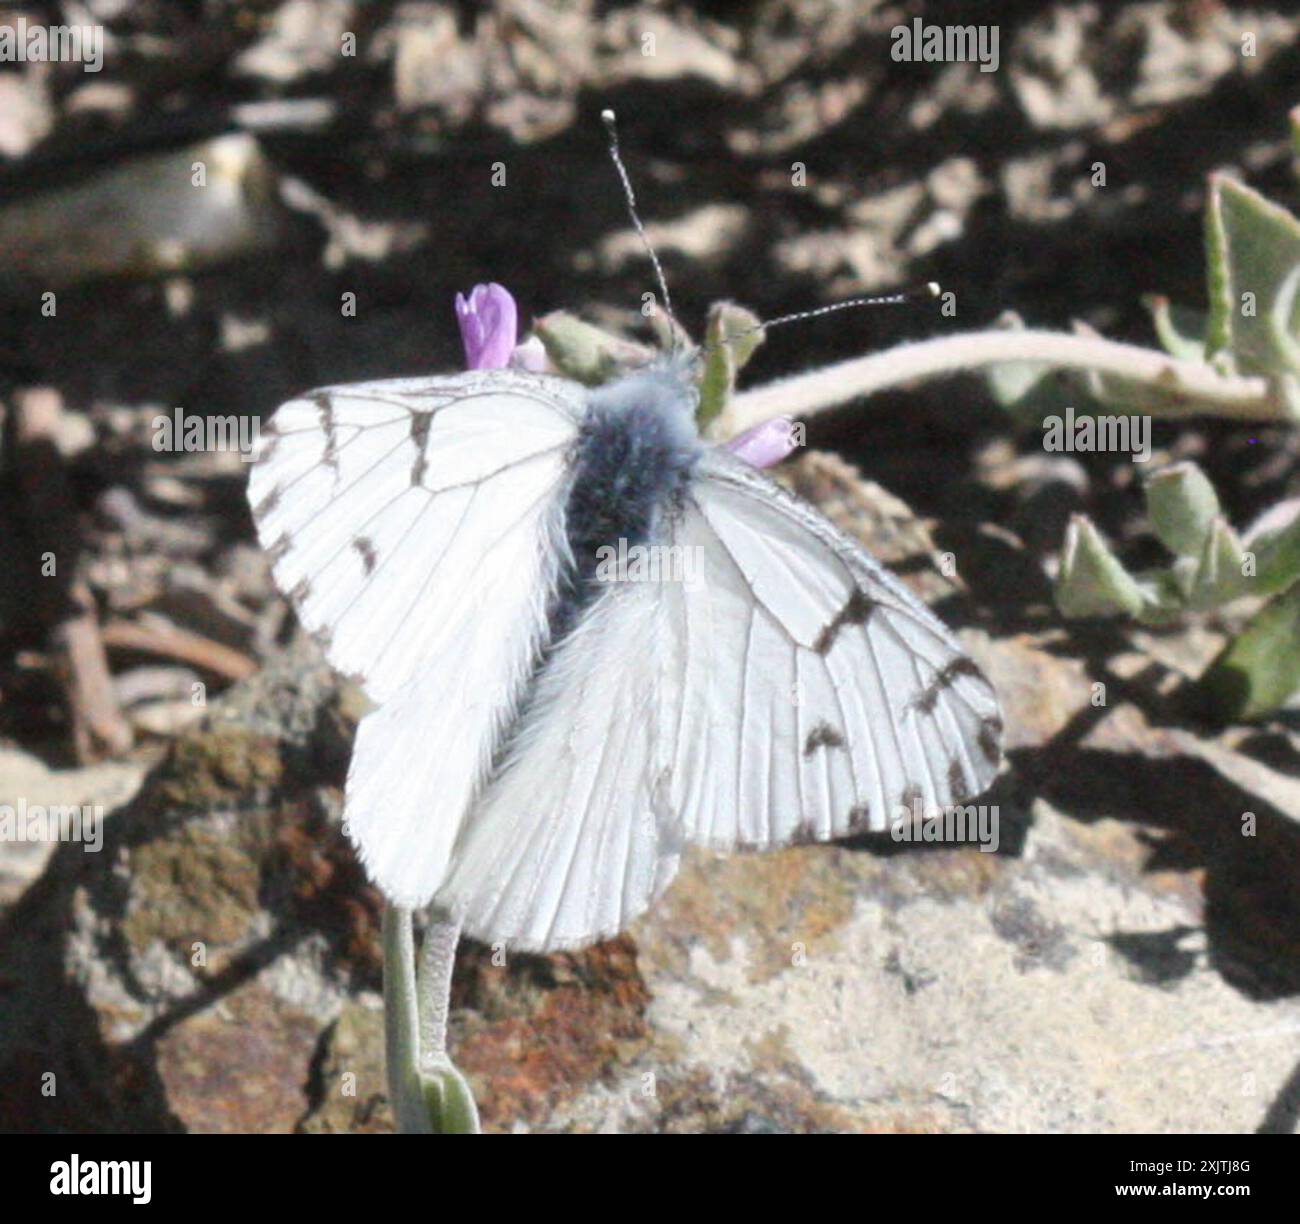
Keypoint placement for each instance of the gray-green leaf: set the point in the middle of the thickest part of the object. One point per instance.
(1260, 669)
(1183, 505)
(1254, 273)
(1092, 580)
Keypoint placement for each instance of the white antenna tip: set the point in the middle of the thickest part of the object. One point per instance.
(933, 288)
(607, 115)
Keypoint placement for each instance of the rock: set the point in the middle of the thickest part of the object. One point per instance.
(304, 37)
(143, 217)
(181, 978)
(26, 115)
(106, 785)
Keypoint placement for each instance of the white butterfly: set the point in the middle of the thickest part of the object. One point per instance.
(544, 744)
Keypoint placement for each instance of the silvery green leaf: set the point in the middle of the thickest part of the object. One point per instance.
(1258, 671)
(1164, 592)
(1183, 505)
(1274, 541)
(669, 334)
(1181, 573)
(1254, 278)
(1030, 391)
(449, 1101)
(1092, 581)
(1018, 386)
(1218, 578)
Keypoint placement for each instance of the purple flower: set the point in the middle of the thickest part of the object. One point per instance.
(488, 326)
(765, 445)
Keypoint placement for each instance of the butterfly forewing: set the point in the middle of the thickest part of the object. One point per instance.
(380, 504)
(868, 703)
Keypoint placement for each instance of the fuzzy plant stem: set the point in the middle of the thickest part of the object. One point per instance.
(428, 1094)
(1203, 389)
(401, 1024)
(437, 960)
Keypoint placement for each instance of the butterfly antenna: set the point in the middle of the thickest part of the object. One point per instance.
(607, 117)
(917, 293)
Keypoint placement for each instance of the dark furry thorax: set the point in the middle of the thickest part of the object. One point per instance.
(632, 461)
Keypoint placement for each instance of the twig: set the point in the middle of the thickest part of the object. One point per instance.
(1204, 389)
(158, 637)
(65, 604)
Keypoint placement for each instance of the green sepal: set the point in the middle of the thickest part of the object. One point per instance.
(586, 353)
(732, 335)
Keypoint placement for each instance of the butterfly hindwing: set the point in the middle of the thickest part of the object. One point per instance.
(574, 837)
